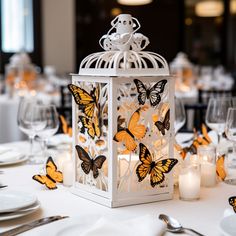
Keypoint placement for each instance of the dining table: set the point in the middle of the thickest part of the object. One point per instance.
(203, 215)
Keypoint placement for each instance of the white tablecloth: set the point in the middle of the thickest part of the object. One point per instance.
(203, 215)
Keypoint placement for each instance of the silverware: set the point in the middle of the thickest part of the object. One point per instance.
(34, 224)
(174, 226)
(3, 186)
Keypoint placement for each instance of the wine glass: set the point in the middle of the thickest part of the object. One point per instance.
(216, 114)
(230, 131)
(30, 120)
(180, 116)
(52, 125)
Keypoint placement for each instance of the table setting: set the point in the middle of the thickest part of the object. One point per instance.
(126, 169)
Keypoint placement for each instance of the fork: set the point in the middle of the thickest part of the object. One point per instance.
(3, 186)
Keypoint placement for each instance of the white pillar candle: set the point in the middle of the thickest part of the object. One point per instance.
(208, 174)
(68, 173)
(189, 184)
(61, 159)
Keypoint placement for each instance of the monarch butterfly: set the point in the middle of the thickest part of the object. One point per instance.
(232, 202)
(52, 175)
(153, 93)
(134, 130)
(93, 128)
(156, 170)
(165, 125)
(220, 168)
(87, 102)
(89, 164)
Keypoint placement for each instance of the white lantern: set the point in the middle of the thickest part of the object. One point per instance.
(123, 119)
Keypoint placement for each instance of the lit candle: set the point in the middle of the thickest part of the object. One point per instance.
(68, 173)
(208, 174)
(61, 159)
(189, 183)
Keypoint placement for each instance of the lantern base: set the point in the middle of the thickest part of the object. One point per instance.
(121, 201)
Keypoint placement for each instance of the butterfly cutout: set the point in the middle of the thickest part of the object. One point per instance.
(92, 127)
(153, 93)
(87, 102)
(65, 127)
(198, 140)
(134, 130)
(89, 164)
(52, 175)
(156, 170)
(232, 202)
(220, 167)
(165, 125)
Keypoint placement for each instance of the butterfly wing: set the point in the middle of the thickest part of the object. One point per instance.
(86, 164)
(97, 164)
(52, 171)
(97, 127)
(161, 167)
(160, 126)
(145, 157)
(85, 101)
(155, 92)
(232, 202)
(126, 138)
(138, 130)
(166, 121)
(141, 90)
(87, 123)
(220, 167)
(42, 179)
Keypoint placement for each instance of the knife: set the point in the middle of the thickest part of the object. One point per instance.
(34, 224)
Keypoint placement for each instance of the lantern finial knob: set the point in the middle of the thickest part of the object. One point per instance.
(124, 38)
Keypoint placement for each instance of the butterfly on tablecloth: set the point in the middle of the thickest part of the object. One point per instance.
(232, 202)
(88, 164)
(156, 169)
(52, 175)
(132, 132)
(86, 101)
(152, 93)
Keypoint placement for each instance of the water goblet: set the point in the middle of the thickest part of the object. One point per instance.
(180, 116)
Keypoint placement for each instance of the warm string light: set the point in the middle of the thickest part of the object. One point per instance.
(209, 8)
(134, 2)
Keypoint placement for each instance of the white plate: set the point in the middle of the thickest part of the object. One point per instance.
(17, 214)
(228, 225)
(18, 160)
(13, 200)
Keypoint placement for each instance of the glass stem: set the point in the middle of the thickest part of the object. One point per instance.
(44, 147)
(31, 141)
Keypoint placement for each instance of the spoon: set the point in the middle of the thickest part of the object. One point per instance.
(174, 226)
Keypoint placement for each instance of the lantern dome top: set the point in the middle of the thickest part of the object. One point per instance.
(123, 55)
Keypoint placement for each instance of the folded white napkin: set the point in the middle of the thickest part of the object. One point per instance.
(142, 226)
(10, 156)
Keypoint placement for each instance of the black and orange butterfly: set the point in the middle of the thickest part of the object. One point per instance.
(153, 93)
(89, 164)
(93, 128)
(220, 167)
(165, 125)
(87, 102)
(134, 130)
(156, 170)
(52, 175)
(232, 202)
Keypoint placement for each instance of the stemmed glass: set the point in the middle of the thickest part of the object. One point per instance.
(216, 114)
(52, 125)
(230, 131)
(180, 116)
(30, 120)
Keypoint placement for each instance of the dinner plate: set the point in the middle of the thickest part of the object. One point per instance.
(21, 158)
(228, 225)
(13, 200)
(20, 213)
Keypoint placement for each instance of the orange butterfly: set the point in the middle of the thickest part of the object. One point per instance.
(220, 168)
(65, 127)
(52, 176)
(87, 102)
(134, 130)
